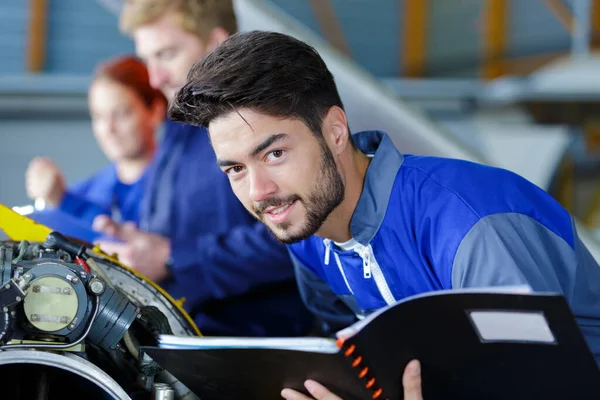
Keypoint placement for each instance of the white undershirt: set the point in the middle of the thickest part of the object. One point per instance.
(346, 246)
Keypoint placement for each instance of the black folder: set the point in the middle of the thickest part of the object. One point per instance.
(471, 345)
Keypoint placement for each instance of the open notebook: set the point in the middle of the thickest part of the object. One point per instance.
(472, 344)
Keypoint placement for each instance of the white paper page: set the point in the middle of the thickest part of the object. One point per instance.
(319, 345)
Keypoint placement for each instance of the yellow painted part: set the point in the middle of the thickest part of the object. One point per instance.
(19, 227)
(414, 34)
(176, 303)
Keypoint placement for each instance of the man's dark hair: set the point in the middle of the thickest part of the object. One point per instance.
(267, 72)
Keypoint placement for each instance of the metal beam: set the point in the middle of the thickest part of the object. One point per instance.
(580, 43)
(525, 65)
(330, 26)
(595, 21)
(36, 46)
(494, 41)
(414, 37)
(561, 12)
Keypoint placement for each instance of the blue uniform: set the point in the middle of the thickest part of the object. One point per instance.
(104, 194)
(425, 223)
(235, 278)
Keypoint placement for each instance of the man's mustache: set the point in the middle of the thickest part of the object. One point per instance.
(259, 208)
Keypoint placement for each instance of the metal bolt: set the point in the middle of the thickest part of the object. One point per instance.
(13, 313)
(75, 279)
(7, 286)
(36, 289)
(5, 309)
(18, 298)
(27, 276)
(71, 327)
(96, 286)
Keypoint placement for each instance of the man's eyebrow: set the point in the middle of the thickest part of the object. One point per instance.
(226, 163)
(265, 144)
(268, 142)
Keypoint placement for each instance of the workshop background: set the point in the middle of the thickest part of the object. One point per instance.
(512, 83)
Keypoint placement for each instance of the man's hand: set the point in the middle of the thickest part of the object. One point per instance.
(411, 380)
(145, 252)
(44, 180)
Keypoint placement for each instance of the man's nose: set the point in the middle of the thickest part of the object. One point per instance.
(158, 76)
(261, 186)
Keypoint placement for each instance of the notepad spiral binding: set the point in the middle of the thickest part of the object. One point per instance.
(363, 374)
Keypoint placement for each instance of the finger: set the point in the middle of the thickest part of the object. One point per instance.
(100, 222)
(105, 225)
(290, 394)
(111, 247)
(36, 161)
(319, 391)
(411, 380)
(128, 230)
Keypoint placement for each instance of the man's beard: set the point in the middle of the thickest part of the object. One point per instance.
(326, 194)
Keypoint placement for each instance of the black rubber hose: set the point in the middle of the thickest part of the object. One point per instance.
(56, 241)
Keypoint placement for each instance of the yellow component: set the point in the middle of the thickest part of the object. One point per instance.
(414, 33)
(180, 301)
(19, 227)
(495, 41)
(176, 303)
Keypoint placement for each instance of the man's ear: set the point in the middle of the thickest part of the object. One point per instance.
(335, 130)
(217, 36)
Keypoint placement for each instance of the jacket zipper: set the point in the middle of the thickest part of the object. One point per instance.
(371, 268)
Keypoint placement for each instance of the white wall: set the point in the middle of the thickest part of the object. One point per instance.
(69, 143)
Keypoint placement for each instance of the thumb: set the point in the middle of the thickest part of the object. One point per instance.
(411, 380)
(105, 225)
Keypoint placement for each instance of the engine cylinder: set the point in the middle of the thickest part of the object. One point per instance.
(39, 374)
(115, 315)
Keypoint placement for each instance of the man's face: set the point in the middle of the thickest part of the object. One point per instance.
(284, 175)
(169, 52)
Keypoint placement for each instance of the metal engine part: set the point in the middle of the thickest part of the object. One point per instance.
(143, 292)
(38, 368)
(71, 323)
(58, 305)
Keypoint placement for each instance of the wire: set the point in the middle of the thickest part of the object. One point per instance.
(23, 246)
(94, 267)
(81, 262)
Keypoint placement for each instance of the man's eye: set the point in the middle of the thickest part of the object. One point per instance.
(234, 170)
(275, 154)
(167, 54)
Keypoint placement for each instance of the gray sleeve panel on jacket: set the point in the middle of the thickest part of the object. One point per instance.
(332, 311)
(514, 249)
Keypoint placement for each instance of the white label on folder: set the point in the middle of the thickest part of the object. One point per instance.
(510, 326)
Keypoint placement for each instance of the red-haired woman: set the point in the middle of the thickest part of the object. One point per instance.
(125, 112)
